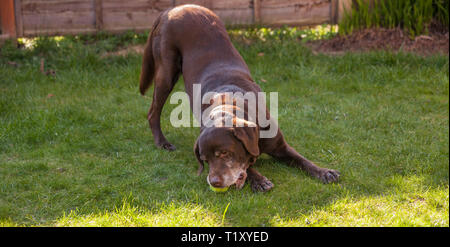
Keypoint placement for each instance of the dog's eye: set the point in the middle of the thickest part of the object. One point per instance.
(252, 160)
(221, 154)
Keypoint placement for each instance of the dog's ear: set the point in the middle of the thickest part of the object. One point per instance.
(249, 136)
(200, 158)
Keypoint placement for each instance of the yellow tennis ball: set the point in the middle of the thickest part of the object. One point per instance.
(218, 190)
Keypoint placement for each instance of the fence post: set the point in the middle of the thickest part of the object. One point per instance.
(18, 16)
(98, 7)
(334, 11)
(8, 20)
(256, 11)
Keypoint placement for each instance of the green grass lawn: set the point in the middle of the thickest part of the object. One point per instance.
(76, 149)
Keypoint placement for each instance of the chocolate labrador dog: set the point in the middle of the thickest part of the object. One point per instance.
(191, 40)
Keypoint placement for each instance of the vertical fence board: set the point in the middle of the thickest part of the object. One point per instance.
(334, 11)
(18, 16)
(257, 11)
(7, 16)
(98, 6)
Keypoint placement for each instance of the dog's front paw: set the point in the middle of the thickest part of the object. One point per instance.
(261, 185)
(329, 176)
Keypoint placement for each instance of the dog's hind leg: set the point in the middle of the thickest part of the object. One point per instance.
(167, 74)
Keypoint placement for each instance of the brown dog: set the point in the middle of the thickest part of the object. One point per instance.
(191, 40)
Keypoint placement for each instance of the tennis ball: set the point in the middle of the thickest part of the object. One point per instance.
(218, 190)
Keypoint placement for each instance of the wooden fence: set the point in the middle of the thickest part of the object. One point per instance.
(51, 17)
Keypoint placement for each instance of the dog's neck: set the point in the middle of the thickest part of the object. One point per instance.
(226, 111)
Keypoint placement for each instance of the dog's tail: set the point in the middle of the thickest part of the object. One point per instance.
(148, 62)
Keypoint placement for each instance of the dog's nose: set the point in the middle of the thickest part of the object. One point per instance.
(216, 181)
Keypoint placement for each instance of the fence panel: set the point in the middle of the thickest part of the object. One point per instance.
(61, 16)
(49, 17)
(295, 12)
(132, 14)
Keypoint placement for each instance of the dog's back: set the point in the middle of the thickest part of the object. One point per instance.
(199, 41)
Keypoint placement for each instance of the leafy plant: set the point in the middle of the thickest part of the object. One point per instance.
(415, 16)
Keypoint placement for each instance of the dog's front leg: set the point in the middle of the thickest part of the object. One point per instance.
(258, 182)
(287, 154)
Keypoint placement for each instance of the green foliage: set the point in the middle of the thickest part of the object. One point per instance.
(413, 15)
(285, 33)
(440, 11)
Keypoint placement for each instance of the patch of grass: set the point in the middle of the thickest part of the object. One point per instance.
(75, 148)
(131, 216)
(417, 208)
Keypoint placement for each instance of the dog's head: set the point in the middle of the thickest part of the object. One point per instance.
(229, 151)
